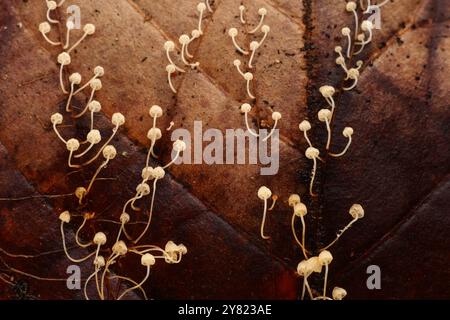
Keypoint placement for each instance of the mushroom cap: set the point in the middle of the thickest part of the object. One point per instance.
(356, 211)
(201, 7)
(73, 145)
(351, 6)
(75, 78)
(254, 45)
(169, 45)
(96, 84)
(143, 188)
(327, 91)
(99, 71)
(155, 111)
(262, 11)
(154, 134)
(118, 119)
(89, 29)
(293, 199)
(44, 27)
(246, 108)
(170, 68)
(65, 217)
(347, 132)
(100, 238)
(179, 145)
(94, 106)
(94, 136)
(305, 125)
(325, 257)
(184, 39)
(265, 28)
(120, 248)
(124, 218)
(345, 31)
(302, 268)
(233, 32)
(147, 173)
(248, 76)
(367, 25)
(51, 5)
(159, 173)
(300, 209)
(264, 193)
(339, 293)
(109, 152)
(276, 116)
(64, 58)
(148, 260)
(324, 114)
(56, 118)
(312, 153)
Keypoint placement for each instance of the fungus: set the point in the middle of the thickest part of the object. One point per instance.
(88, 29)
(346, 32)
(86, 217)
(184, 41)
(312, 154)
(347, 132)
(93, 137)
(265, 29)
(254, 45)
(328, 92)
(324, 115)
(300, 211)
(109, 153)
(195, 35)
(44, 29)
(264, 193)
(65, 218)
(249, 77)
(339, 293)
(262, 12)
(69, 26)
(201, 7)
(276, 116)
(233, 32)
(357, 212)
(63, 60)
(178, 146)
(351, 7)
(56, 120)
(237, 64)
(241, 14)
(246, 108)
(74, 79)
(95, 85)
(208, 5)
(325, 259)
(352, 74)
(169, 46)
(305, 126)
(94, 106)
(51, 5)
(99, 72)
(171, 68)
(147, 261)
(304, 270)
(72, 145)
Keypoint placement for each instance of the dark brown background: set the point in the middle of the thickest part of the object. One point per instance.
(397, 167)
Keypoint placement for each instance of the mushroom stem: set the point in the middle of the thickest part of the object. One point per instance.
(248, 90)
(172, 63)
(208, 5)
(248, 127)
(53, 43)
(101, 149)
(261, 21)
(300, 243)
(58, 134)
(264, 220)
(50, 18)
(339, 234)
(173, 160)
(307, 139)
(94, 274)
(138, 286)
(103, 165)
(61, 81)
(85, 151)
(65, 248)
(91, 97)
(251, 58)
(313, 175)
(149, 215)
(329, 133)
(325, 281)
(336, 155)
(355, 82)
(77, 235)
(72, 85)
(241, 14)
(271, 131)
(132, 282)
(238, 48)
(76, 44)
